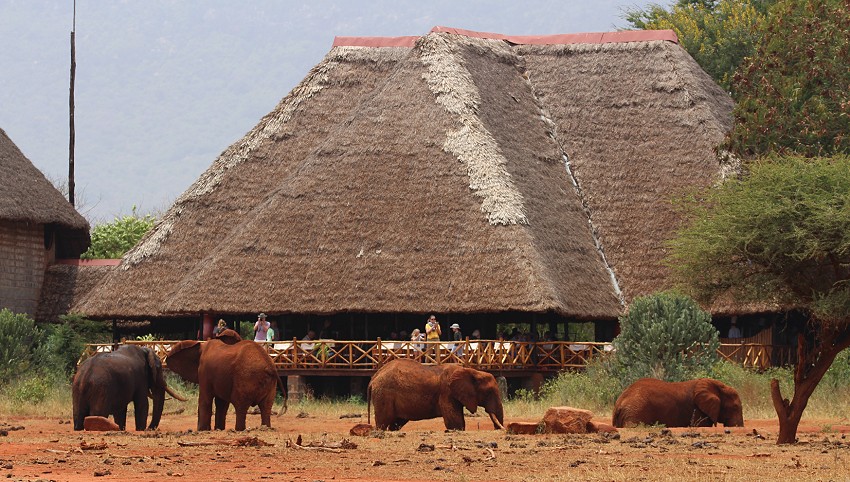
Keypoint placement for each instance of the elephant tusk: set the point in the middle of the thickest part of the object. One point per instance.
(175, 394)
(496, 422)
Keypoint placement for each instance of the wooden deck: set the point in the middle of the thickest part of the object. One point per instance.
(508, 358)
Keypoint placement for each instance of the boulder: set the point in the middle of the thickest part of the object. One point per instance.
(594, 427)
(567, 420)
(361, 430)
(99, 424)
(523, 428)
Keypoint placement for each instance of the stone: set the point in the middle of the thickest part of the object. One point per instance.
(594, 427)
(99, 424)
(567, 420)
(523, 428)
(361, 430)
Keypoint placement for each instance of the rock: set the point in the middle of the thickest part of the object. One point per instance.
(523, 428)
(594, 427)
(99, 424)
(567, 420)
(361, 430)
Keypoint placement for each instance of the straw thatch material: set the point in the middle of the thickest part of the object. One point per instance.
(27, 196)
(639, 122)
(63, 284)
(433, 178)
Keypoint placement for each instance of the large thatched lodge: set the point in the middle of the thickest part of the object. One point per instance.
(496, 181)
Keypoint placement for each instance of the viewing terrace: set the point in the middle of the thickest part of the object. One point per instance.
(506, 358)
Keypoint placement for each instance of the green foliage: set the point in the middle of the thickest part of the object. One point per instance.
(32, 389)
(780, 234)
(794, 92)
(595, 389)
(665, 336)
(719, 35)
(112, 240)
(246, 329)
(18, 337)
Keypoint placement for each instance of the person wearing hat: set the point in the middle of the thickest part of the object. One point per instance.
(458, 337)
(261, 328)
(222, 325)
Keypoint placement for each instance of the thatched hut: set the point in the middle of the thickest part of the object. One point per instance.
(487, 178)
(37, 226)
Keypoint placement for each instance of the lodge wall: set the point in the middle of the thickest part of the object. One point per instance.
(22, 263)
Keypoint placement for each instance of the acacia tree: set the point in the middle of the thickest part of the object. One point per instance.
(782, 233)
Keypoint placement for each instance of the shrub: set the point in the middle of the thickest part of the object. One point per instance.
(112, 240)
(18, 335)
(665, 336)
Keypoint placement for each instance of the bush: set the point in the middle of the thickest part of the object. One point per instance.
(665, 336)
(112, 240)
(18, 336)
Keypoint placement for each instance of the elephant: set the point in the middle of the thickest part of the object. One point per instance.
(228, 370)
(107, 382)
(703, 402)
(404, 390)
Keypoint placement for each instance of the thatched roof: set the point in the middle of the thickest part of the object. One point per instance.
(433, 178)
(65, 283)
(27, 196)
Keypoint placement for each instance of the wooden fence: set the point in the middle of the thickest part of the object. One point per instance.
(335, 357)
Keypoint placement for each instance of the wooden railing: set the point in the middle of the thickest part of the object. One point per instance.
(325, 356)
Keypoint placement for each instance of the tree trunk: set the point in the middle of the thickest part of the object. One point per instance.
(811, 367)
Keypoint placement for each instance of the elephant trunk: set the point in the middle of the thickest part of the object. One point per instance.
(497, 414)
(158, 395)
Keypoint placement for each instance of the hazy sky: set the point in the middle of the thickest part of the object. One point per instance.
(164, 86)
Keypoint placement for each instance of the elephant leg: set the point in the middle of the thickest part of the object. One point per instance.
(454, 420)
(205, 401)
(140, 409)
(266, 406)
(81, 411)
(120, 416)
(397, 424)
(241, 416)
(221, 407)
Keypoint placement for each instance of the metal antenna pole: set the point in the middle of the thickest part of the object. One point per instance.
(71, 110)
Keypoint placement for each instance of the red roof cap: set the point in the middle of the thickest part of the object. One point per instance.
(621, 36)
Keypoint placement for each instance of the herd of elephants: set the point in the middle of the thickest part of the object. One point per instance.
(230, 370)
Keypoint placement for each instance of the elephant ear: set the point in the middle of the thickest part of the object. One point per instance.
(462, 388)
(707, 398)
(184, 359)
(154, 367)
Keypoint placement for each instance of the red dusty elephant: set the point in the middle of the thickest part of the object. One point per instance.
(404, 390)
(703, 402)
(228, 370)
(106, 383)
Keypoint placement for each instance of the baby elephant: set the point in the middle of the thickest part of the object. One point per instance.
(703, 402)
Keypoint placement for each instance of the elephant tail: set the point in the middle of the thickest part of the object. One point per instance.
(369, 404)
(285, 396)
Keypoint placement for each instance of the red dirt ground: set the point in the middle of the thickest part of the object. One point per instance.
(48, 449)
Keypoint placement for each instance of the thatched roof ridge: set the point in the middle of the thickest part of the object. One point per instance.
(28, 196)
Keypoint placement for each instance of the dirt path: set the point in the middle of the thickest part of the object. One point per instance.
(48, 449)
